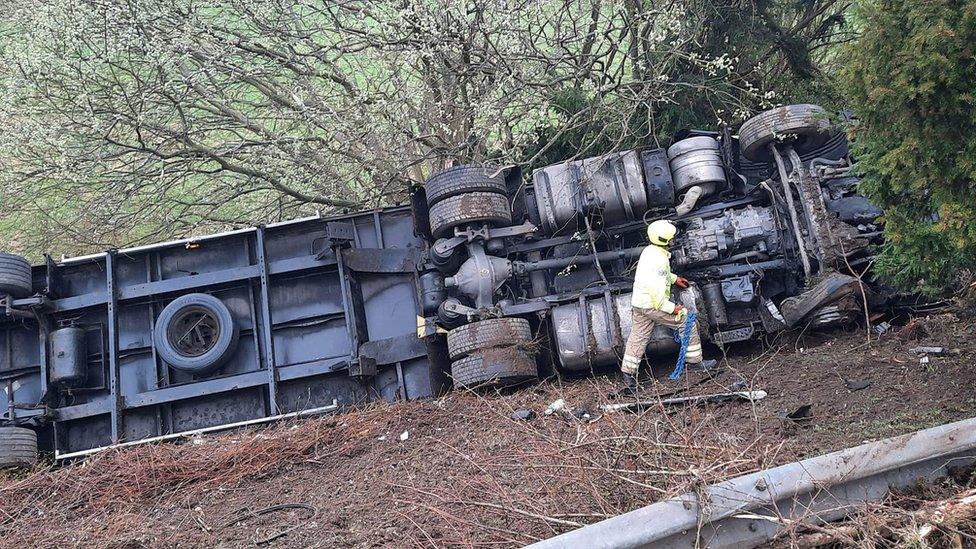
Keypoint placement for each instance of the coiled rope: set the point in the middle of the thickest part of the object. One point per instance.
(679, 367)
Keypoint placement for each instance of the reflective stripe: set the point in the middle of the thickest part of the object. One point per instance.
(630, 365)
(694, 348)
(695, 354)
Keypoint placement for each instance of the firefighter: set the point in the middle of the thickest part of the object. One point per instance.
(652, 304)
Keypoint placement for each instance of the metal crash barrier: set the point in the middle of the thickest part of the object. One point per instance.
(816, 490)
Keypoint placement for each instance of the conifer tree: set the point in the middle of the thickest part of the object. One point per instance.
(911, 80)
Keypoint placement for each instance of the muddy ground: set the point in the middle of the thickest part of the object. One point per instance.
(460, 471)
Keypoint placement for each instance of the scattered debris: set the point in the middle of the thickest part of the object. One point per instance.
(738, 385)
(750, 396)
(584, 415)
(404, 436)
(803, 413)
(857, 384)
(523, 414)
(557, 405)
(882, 328)
(935, 351)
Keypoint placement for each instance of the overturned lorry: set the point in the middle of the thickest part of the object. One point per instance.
(487, 278)
(771, 232)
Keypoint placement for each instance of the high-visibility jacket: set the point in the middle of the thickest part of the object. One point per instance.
(652, 283)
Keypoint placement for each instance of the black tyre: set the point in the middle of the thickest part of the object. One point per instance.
(476, 207)
(464, 179)
(806, 124)
(18, 447)
(487, 334)
(15, 276)
(494, 368)
(196, 333)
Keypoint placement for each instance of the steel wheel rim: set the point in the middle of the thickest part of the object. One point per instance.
(193, 331)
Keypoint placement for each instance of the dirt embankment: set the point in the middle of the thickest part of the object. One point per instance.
(460, 471)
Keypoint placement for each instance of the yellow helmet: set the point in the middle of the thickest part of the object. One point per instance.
(661, 232)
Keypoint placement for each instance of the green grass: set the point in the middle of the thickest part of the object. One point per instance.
(899, 423)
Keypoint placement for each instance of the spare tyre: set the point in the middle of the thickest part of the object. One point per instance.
(196, 333)
(807, 125)
(464, 179)
(15, 276)
(494, 368)
(486, 334)
(18, 447)
(475, 207)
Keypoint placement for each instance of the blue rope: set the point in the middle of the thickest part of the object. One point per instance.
(679, 367)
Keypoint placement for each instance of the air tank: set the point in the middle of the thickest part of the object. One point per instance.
(69, 358)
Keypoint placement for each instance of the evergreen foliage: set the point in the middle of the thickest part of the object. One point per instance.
(911, 79)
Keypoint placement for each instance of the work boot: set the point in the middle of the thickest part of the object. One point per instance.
(705, 365)
(630, 384)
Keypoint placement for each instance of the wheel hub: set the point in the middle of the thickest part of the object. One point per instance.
(193, 331)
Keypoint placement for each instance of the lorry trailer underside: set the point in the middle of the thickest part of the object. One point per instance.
(487, 278)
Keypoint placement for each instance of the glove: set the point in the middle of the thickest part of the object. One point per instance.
(681, 282)
(680, 312)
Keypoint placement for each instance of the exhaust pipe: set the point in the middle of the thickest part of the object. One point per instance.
(691, 197)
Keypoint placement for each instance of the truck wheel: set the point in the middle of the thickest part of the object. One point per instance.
(18, 447)
(476, 207)
(196, 333)
(494, 368)
(464, 179)
(807, 124)
(487, 334)
(15, 276)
